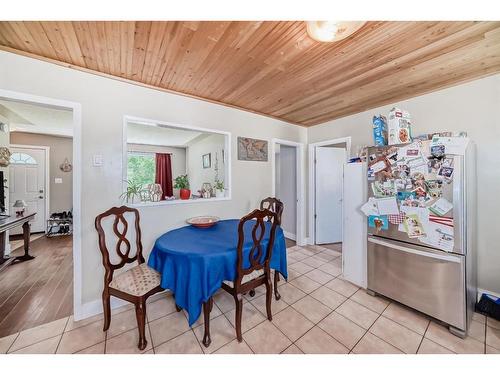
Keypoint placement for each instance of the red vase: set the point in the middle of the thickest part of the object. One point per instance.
(185, 193)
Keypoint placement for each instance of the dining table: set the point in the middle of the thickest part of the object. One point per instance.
(194, 262)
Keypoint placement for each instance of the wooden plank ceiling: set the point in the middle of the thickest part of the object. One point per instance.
(271, 68)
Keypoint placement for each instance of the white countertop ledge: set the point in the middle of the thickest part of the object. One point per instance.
(177, 201)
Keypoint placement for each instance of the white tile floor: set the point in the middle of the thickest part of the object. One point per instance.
(319, 312)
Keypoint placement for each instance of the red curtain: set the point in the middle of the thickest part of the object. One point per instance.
(164, 174)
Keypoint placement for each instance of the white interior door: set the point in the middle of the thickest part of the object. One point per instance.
(328, 194)
(27, 182)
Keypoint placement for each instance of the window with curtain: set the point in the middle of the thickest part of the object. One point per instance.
(161, 153)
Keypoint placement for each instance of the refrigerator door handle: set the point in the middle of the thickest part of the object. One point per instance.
(448, 258)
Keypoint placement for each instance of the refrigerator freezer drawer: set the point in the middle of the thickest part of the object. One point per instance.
(429, 281)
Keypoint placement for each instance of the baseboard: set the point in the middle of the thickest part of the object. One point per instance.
(289, 235)
(305, 241)
(95, 307)
(482, 291)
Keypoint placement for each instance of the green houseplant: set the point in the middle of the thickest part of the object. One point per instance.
(182, 182)
(219, 188)
(133, 190)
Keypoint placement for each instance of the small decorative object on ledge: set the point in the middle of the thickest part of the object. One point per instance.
(155, 192)
(66, 166)
(206, 190)
(4, 157)
(251, 149)
(20, 206)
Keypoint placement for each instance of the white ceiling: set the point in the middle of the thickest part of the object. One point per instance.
(158, 135)
(40, 119)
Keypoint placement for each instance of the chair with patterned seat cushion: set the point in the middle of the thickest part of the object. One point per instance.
(252, 265)
(276, 206)
(137, 283)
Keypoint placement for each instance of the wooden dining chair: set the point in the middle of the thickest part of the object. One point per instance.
(258, 272)
(134, 285)
(276, 206)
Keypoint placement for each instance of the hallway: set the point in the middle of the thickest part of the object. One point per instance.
(40, 290)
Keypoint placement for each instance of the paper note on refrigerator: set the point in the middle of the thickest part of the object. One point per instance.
(409, 152)
(378, 222)
(448, 221)
(413, 226)
(452, 145)
(441, 207)
(370, 207)
(378, 166)
(439, 236)
(387, 206)
(421, 169)
(421, 212)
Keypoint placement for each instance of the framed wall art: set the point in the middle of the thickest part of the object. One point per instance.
(250, 149)
(207, 161)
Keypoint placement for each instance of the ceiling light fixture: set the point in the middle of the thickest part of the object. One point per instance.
(332, 31)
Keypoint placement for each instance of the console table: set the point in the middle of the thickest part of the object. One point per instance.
(9, 222)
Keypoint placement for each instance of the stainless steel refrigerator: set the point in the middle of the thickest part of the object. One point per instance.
(438, 280)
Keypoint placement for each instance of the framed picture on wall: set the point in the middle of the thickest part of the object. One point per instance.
(251, 149)
(207, 161)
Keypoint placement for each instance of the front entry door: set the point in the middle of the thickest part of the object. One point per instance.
(27, 182)
(328, 206)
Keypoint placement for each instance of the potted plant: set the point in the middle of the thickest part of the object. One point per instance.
(219, 189)
(133, 190)
(181, 182)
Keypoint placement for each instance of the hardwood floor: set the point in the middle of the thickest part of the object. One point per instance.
(40, 290)
(289, 243)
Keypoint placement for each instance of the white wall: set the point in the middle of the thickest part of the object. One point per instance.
(473, 107)
(212, 144)
(177, 155)
(104, 103)
(288, 187)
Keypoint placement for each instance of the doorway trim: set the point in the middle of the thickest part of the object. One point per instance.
(300, 237)
(312, 179)
(47, 175)
(76, 109)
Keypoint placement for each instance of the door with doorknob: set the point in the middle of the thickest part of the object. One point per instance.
(28, 183)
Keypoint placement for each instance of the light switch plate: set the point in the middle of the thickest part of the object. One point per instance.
(97, 160)
(58, 180)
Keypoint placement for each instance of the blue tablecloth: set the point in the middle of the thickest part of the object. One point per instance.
(194, 262)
